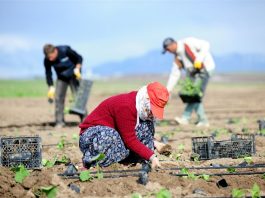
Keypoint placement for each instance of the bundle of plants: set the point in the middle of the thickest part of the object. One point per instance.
(190, 90)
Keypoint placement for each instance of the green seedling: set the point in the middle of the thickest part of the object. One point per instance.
(255, 191)
(61, 143)
(189, 174)
(51, 163)
(49, 191)
(163, 193)
(248, 160)
(191, 88)
(20, 173)
(48, 163)
(195, 157)
(98, 158)
(63, 160)
(75, 137)
(231, 170)
(205, 177)
(136, 195)
(177, 156)
(238, 193)
(85, 176)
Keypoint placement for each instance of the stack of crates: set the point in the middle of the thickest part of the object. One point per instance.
(240, 145)
(24, 150)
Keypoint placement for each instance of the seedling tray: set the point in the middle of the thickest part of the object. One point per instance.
(21, 150)
(240, 145)
(189, 99)
(80, 102)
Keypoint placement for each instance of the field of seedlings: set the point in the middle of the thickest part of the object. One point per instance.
(232, 108)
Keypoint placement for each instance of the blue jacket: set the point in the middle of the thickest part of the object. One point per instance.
(64, 65)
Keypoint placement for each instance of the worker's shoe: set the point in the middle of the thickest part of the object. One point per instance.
(203, 124)
(181, 121)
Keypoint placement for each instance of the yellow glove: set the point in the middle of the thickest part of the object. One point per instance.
(51, 94)
(197, 64)
(77, 73)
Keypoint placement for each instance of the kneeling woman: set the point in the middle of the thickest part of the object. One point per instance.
(122, 124)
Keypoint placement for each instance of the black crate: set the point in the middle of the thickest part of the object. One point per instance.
(79, 105)
(21, 150)
(240, 145)
(190, 99)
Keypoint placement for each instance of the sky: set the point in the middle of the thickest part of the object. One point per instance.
(113, 30)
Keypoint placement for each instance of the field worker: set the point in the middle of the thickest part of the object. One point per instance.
(123, 125)
(193, 56)
(67, 65)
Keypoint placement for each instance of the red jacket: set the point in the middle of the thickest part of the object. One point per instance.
(119, 112)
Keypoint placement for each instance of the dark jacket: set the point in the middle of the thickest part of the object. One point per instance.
(64, 65)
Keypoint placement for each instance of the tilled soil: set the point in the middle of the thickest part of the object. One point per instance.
(29, 116)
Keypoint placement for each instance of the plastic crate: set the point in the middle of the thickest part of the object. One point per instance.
(79, 105)
(239, 145)
(21, 150)
(190, 99)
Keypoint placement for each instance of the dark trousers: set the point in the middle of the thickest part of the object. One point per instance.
(61, 89)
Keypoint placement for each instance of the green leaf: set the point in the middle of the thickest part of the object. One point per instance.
(21, 173)
(238, 193)
(205, 177)
(85, 176)
(189, 174)
(248, 160)
(50, 191)
(99, 172)
(75, 136)
(231, 170)
(136, 195)
(163, 193)
(49, 163)
(255, 191)
(63, 160)
(177, 156)
(61, 144)
(101, 157)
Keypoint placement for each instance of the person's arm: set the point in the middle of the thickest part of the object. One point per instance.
(48, 73)
(201, 46)
(174, 75)
(75, 57)
(126, 127)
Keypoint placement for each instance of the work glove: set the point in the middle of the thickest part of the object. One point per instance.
(197, 64)
(77, 73)
(51, 94)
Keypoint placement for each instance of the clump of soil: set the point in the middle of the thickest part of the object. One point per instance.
(166, 150)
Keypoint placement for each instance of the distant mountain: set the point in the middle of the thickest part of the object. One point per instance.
(154, 62)
(29, 64)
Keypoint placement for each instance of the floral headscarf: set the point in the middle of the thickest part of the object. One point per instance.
(143, 106)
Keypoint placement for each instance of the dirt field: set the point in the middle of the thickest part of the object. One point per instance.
(34, 116)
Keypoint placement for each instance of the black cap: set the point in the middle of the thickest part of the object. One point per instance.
(168, 41)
